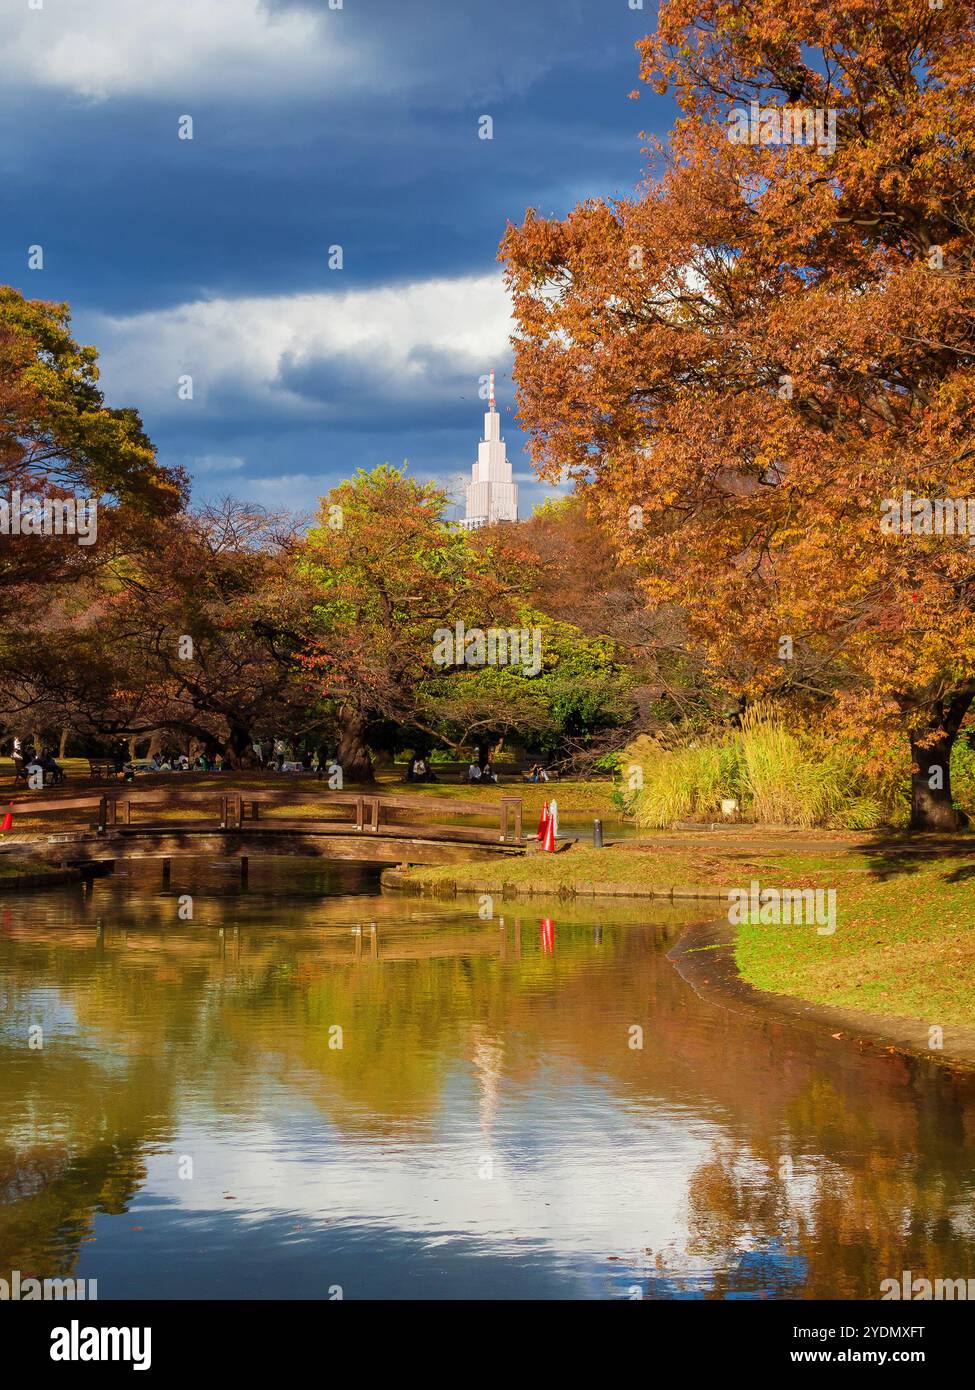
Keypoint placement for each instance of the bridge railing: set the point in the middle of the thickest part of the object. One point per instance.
(365, 812)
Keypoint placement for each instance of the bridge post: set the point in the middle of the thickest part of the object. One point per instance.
(511, 806)
(102, 816)
(167, 870)
(244, 867)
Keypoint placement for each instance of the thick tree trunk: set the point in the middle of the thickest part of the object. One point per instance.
(63, 747)
(931, 801)
(931, 807)
(237, 746)
(353, 755)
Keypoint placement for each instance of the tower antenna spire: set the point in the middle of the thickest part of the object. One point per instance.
(491, 388)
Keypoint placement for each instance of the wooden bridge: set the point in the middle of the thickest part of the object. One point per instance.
(369, 827)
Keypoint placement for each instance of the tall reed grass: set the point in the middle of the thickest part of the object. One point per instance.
(778, 776)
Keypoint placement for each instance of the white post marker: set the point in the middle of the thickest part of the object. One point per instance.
(553, 811)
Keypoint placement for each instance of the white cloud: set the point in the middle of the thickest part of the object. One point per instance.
(188, 50)
(322, 356)
(103, 48)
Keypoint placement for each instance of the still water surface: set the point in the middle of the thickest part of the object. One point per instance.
(190, 1127)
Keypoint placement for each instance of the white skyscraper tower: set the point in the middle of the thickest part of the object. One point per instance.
(491, 494)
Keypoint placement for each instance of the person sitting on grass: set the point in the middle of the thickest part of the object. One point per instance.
(474, 772)
(418, 771)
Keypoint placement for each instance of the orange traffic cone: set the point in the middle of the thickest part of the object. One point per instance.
(543, 820)
(8, 820)
(548, 836)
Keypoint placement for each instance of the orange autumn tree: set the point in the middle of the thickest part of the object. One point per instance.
(750, 361)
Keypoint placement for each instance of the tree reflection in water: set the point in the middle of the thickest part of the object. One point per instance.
(758, 1159)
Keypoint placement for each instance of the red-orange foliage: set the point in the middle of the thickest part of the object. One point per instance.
(750, 355)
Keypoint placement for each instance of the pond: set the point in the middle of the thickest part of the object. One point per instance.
(301, 1087)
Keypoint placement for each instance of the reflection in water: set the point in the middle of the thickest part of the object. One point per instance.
(306, 1084)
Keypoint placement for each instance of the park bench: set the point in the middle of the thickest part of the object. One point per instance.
(99, 768)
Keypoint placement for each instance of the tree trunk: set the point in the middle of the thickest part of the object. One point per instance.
(63, 748)
(931, 807)
(237, 746)
(352, 754)
(931, 802)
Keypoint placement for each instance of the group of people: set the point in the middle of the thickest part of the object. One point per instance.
(181, 763)
(30, 764)
(418, 769)
(279, 756)
(273, 756)
(478, 773)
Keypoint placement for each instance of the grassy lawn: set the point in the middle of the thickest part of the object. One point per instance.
(905, 938)
(904, 944)
(640, 867)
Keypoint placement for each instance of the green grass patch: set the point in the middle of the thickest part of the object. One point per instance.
(904, 944)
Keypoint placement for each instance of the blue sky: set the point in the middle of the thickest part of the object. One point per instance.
(312, 127)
